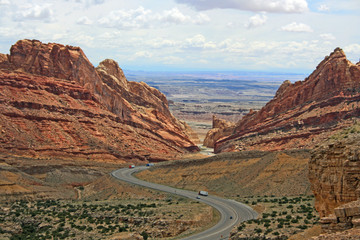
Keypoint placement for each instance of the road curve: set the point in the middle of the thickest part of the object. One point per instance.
(232, 212)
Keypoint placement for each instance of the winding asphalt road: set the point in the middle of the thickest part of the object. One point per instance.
(232, 212)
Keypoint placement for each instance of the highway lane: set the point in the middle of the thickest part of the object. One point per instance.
(232, 212)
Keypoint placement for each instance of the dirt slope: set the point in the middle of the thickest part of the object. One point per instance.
(245, 174)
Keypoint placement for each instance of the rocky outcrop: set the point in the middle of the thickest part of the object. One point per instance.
(303, 113)
(55, 103)
(334, 171)
(346, 217)
(351, 234)
(220, 129)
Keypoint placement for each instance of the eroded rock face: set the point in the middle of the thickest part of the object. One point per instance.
(220, 129)
(55, 103)
(304, 113)
(334, 171)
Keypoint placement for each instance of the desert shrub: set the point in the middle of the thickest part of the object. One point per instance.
(258, 230)
(145, 235)
(241, 227)
(294, 221)
(303, 227)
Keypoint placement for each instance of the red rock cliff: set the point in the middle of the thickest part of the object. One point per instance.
(220, 129)
(304, 112)
(54, 102)
(334, 171)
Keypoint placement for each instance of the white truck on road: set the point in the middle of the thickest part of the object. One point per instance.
(203, 193)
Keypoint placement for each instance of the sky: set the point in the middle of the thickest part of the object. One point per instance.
(189, 35)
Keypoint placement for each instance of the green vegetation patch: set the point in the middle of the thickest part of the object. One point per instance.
(60, 219)
(280, 217)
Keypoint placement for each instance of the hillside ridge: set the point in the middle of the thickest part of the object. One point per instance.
(55, 102)
(301, 113)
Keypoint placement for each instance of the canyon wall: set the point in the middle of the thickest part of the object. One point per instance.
(301, 114)
(334, 171)
(54, 102)
(220, 129)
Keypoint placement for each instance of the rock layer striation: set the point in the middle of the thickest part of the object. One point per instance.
(301, 113)
(334, 171)
(54, 102)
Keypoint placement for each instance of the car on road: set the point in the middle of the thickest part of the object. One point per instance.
(198, 197)
(132, 166)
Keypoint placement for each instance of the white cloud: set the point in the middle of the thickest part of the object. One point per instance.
(177, 17)
(43, 13)
(353, 52)
(143, 18)
(201, 19)
(84, 21)
(324, 8)
(144, 54)
(161, 43)
(93, 2)
(172, 60)
(140, 55)
(198, 42)
(174, 16)
(284, 6)
(327, 36)
(296, 27)
(160, 34)
(4, 2)
(11, 32)
(352, 48)
(122, 19)
(256, 21)
(89, 3)
(83, 40)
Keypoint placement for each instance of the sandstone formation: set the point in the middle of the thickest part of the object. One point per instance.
(303, 113)
(334, 171)
(351, 234)
(220, 128)
(55, 103)
(346, 217)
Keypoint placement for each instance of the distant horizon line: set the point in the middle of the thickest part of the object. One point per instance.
(184, 71)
